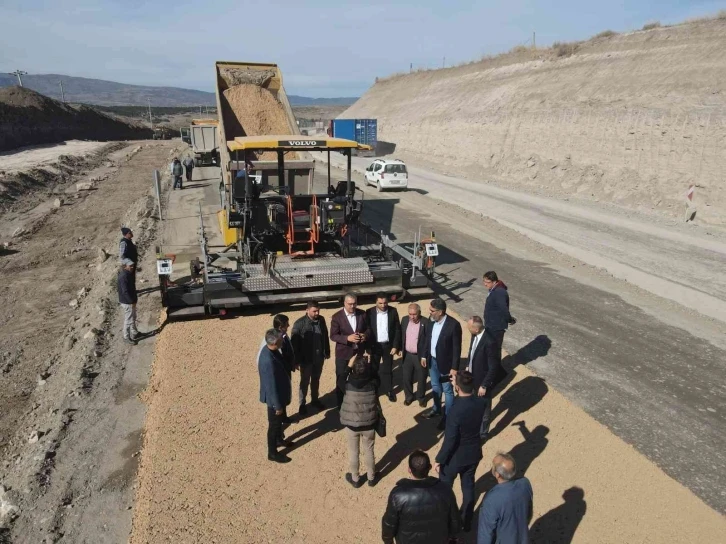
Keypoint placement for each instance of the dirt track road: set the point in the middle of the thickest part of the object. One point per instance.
(679, 262)
(70, 422)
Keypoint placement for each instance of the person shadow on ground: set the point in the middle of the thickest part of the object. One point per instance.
(536, 348)
(524, 454)
(422, 436)
(329, 423)
(516, 400)
(560, 524)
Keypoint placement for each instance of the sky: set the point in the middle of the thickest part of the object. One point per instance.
(325, 48)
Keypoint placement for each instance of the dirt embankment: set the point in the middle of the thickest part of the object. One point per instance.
(632, 119)
(29, 118)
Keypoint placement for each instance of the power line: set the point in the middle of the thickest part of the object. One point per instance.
(19, 73)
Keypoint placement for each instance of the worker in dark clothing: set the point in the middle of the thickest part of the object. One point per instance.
(189, 167)
(496, 318)
(421, 509)
(461, 451)
(507, 508)
(275, 392)
(385, 342)
(487, 371)
(177, 171)
(281, 323)
(127, 248)
(127, 297)
(311, 346)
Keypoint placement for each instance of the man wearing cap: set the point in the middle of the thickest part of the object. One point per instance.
(127, 298)
(127, 248)
(177, 171)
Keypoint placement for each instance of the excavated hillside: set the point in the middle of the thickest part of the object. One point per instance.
(30, 118)
(632, 118)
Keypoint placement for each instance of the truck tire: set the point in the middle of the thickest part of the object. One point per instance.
(378, 187)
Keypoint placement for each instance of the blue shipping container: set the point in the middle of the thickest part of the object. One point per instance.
(366, 131)
(344, 128)
(363, 131)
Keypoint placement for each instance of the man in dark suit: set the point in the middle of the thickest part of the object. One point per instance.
(349, 331)
(282, 323)
(496, 315)
(461, 451)
(311, 346)
(385, 341)
(413, 334)
(275, 392)
(442, 355)
(487, 371)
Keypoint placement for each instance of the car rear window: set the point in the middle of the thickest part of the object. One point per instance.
(396, 169)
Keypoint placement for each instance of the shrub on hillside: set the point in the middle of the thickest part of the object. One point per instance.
(565, 49)
(605, 34)
(651, 26)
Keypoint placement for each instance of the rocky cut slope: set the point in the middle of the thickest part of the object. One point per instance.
(29, 118)
(628, 118)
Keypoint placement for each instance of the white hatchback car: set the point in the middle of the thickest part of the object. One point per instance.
(387, 174)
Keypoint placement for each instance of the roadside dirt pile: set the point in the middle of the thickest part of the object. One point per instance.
(254, 111)
(29, 118)
(632, 119)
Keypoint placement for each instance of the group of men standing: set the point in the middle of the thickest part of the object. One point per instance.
(427, 347)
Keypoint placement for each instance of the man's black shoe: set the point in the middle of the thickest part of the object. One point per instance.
(317, 404)
(422, 403)
(374, 481)
(431, 414)
(349, 479)
(303, 410)
(392, 396)
(408, 402)
(278, 458)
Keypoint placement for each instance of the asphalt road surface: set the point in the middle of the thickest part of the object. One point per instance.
(622, 354)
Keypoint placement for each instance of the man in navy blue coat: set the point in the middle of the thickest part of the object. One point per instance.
(461, 451)
(507, 508)
(275, 392)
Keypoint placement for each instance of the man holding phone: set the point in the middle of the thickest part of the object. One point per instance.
(349, 331)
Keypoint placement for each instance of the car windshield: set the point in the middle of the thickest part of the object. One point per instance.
(396, 169)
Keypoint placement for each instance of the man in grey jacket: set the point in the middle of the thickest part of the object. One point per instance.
(507, 508)
(177, 171)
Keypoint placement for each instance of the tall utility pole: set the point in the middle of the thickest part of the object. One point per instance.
(200, 110)
(151, 121)
(534, 41)
(19, 73)
(63, 95)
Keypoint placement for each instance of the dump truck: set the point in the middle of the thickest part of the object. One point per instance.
(204, 137)
(283, 242)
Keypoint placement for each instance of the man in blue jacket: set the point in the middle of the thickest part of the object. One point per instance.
(275, 391)
(507, 508)
(461, 451)
(496, 317)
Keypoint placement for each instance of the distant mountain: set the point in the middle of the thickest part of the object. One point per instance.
(109, 93)
(305, 101)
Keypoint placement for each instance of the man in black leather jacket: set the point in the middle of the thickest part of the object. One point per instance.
(421, 509)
